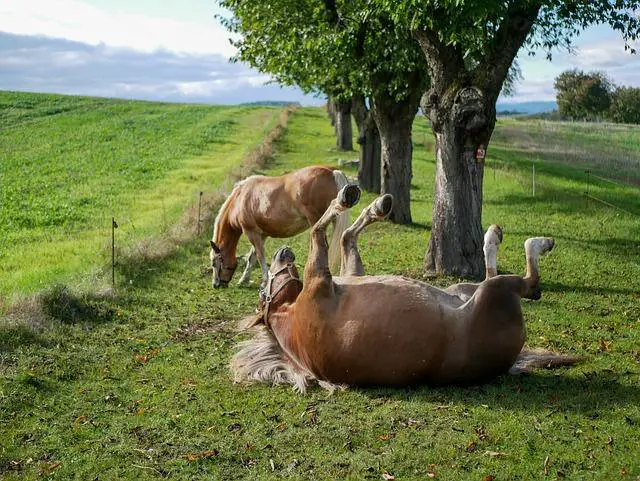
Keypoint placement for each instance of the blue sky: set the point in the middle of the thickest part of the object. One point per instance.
(176, 51)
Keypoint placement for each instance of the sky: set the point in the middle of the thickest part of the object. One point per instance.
(176, 50)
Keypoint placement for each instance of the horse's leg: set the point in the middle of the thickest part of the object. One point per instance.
(318, 261)
(351, 261)
(251, 259)
(534, 248)
(492, 241)
(257, 240)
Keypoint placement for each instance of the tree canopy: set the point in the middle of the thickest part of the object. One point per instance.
(329, 47)
(583, 96)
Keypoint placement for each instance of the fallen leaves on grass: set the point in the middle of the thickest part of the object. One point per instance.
(209, 453)
(604, 346)
(387, 476)
(50, 468)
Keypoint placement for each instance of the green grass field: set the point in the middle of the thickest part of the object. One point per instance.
(137, 386)
(68, 164)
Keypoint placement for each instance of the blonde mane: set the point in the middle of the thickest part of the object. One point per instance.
(223, 207)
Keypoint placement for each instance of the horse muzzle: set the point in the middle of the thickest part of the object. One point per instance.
(219, 284)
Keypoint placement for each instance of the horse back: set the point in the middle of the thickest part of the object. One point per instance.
(286, 205)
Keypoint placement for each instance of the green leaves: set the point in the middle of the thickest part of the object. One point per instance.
(337, 48)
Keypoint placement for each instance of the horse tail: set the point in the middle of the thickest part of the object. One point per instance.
(529, 359)
(340, 225)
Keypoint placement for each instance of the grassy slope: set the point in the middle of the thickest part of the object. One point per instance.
(141, 389)
(68, 164)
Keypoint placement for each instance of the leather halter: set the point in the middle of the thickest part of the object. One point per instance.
(268, 295)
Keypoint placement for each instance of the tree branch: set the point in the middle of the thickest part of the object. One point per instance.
(504, 47)
(445, 62)
(332, 11)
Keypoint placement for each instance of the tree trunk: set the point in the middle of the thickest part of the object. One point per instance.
(461, 105)
(344, 134)
(369, 140)
(455, 246)
(370, 157)
(395, 121)
(331, 111)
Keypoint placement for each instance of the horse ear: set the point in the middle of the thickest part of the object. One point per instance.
(215, 247)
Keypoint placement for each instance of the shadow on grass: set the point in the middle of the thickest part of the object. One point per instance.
(27, 321)
(610, 246)
(63, 305)
(14, 335)
(598, 291)
(589, 394)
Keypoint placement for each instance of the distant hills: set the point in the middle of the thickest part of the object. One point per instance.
(535, 107)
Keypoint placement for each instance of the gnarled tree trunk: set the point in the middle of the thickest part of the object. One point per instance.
(461, 105)
(462, 132)
(344, 133)
(395, 121)
(455, 246)
(331, 111)
(370, 149)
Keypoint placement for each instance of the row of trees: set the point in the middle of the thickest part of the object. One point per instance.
(382, 59)
(593, 96)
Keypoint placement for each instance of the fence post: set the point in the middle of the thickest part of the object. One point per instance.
(114, 226)
(533, 178)
(199, 205)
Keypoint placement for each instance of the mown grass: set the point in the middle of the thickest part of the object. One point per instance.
(70, 164)
(139, 387)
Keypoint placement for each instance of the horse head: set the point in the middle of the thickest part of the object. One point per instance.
(283, 286)
(223, 266)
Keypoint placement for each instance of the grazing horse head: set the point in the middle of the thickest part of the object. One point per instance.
(283, 284)
(223, 266)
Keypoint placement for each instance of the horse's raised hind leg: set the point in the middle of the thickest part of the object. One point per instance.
(376, 211)
(492, 241)
(318, 261)
(251, 259)
(257, 240)
(535, 247)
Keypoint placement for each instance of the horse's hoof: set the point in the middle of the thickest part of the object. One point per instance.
(383, 205)
(349, 195)
(284, 254)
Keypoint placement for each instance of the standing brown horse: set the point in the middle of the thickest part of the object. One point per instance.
(261, 207)
(383, 330)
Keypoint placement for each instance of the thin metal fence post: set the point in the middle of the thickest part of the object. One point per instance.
(533, 178)
(114, 226)
(199, 206)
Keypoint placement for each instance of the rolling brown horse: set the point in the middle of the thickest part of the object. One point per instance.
(261, 207)
(384, 330)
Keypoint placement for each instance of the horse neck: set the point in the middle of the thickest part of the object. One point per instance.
(282, 328)
(226, 234)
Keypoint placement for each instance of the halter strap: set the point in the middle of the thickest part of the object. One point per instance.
(269, 296)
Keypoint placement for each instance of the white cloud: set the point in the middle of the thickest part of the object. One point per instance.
(78, 21)
(37, 64)
(601, 50)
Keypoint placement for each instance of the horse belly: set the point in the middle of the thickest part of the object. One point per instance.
(283, 224)
(393, 339)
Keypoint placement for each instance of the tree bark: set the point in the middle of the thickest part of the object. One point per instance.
(455, 246)
(331, 111)
(344, 133)
(370, 150)
(461, 105)
(369, 175)
(395, 121)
